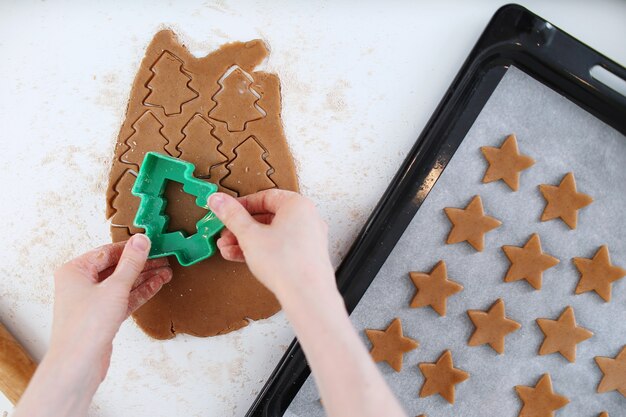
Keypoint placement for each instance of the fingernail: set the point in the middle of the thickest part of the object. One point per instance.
(140, 242)
(215, 201)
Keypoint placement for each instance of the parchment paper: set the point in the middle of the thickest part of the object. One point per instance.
(561, 137)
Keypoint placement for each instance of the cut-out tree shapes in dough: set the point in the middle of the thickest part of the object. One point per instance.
(236, 101)
(147, 137)
(540, 400)
(249, 172)
(214, 296)
(614, 373)
(200, 146)
(125, 208)
(169, 85)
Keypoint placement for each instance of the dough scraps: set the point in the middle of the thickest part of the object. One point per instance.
(562, 335)
(563, 201)
(434, 288)
(470, 224)
(220, 114)
(614, 370)
(491, 326)
(598, 274)
(528, 262)
(441, 377)
(390, 345)
(505, 163)
(540, 400)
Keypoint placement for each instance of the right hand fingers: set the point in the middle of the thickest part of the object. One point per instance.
(231, 252)
(267, 201)
(234, 216)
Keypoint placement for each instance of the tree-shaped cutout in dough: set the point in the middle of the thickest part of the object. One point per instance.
(169, 85)
(236, 101)
(249, 171)
(125, 208)
(200, 146)
(147, 136)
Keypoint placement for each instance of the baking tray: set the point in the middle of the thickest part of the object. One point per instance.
(519, 46)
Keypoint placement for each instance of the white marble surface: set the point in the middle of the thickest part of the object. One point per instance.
(358, 81)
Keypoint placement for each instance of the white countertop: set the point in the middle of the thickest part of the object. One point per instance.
(359, 83)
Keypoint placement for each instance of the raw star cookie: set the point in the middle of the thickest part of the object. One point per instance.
(491, 326)
(506, 163)
(390, 345)
(441, 377)
(470, 224)
(528, 262)
(614, 370)
(434, 288)
(223, 116)
(540, 400)
(563, 201)
(562, 335)
(598, 274)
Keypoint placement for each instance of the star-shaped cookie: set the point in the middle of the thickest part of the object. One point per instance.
(562, 335)
(614, 370)
(540, 400)
(470, 224)
(390, 345)
(563, 201)
(505, 163)
(491, 326)
(528, 262)
(441, 377)
(434, 288)
(598, 274)
(603, 414)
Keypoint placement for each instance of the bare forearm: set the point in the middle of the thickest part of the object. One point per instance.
(347, 378)
(59, 388)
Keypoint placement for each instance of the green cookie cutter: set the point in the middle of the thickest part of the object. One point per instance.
(156, 170)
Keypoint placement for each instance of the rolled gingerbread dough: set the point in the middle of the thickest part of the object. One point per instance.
(223, 116)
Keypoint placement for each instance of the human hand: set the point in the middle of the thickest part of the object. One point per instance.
(285, 244)
(96, 292)
(279, 234)
(93, 295)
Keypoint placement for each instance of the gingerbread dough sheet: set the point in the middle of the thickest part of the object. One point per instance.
(560, 137)
(219, 113)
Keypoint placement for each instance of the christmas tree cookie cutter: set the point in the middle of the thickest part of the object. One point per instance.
(156, 170)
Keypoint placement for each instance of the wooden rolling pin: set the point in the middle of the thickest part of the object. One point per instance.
(16, 366)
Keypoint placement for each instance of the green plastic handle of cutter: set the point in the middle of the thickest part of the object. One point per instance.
(156, 170)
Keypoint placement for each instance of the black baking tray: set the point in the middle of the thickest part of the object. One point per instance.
(514, 36)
